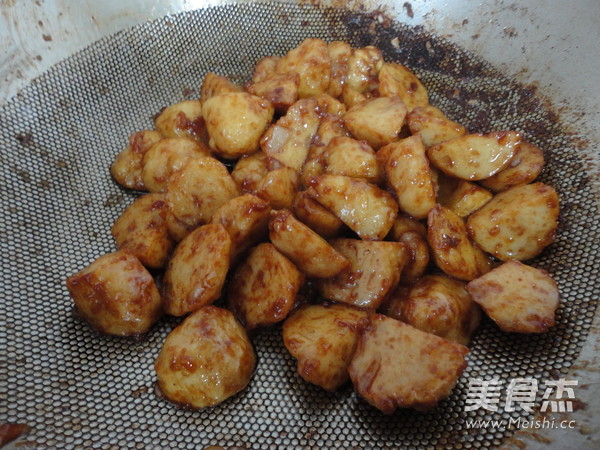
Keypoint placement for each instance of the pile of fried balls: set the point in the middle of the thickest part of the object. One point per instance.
(369, 224)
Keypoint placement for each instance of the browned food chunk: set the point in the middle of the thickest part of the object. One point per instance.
(214, 85)
(330, 127)
(368, 210)
(364, 65)
(409, 176)
(433, 126)
(288, 140)
(323, 340)
(195, 192)
(246, 220)
(339, 54)
(235, 122)
(406, 223)
(183, 119)
(166, 157)
(418, 256)
(397, 80)
(305, 248)
(316, 216)
(518, 223)
(279, 187)
(266, 178)
(126, 169)
(460, 196)
(439, 305)
(196, 272)
(475, 156)
(142, 230)
(452, 249)
(519, 298)
(524, 168)
(264, 288)
(264, 68)
(352, 158)
(116, 295)
(249, 170)
(280, 89)
(205, 360)
(375, 268)
(310, 60)
(396, 365)
(377, 121)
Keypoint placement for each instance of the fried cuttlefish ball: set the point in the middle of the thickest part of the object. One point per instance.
(323, 339)
(396, 365)
(116, 295)
(205, 360)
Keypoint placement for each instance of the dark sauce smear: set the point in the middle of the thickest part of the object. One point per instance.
(11, 431)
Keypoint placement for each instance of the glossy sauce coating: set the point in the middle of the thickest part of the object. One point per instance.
(205, 360)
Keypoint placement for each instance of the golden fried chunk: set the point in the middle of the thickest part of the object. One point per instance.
(377, 121)
(519, 298)
(449, 241)
(305, 248)
(195, 192)
(205, 360)
(316, 216)
(310, 60)
(523, 169)
(183, 119)
(369, 211)
(363, 68)
(249, 170)
(347, 156)
(433, 126)
(330, 127)
(439, 305)
(246, 220)
(408, 174)
(397, 80)
(288, 140)
(279, 187)
(518, 223)
(267, 178)
(235, 122)
(462, 197)
(329, 106)
(264, 68)
(116, 295)
(165, 158)
(142, 230)
(475, 156)
(339, 54)
(280, 89)
(214, 85)
(323, 340)
(352, 98)
(374, 271)
(405, 223)
(396, 365)
(264, 288)
(196, 272)
(418, 256)
(126, 169)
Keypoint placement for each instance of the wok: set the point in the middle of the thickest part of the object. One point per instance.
(77, 79)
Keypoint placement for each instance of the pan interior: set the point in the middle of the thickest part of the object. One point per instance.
(58, 138)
